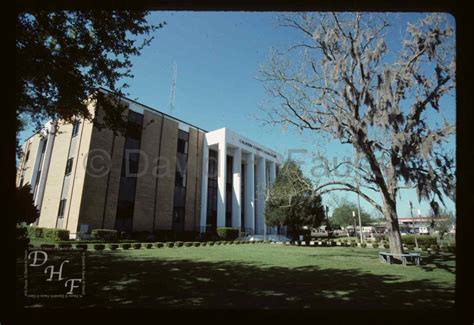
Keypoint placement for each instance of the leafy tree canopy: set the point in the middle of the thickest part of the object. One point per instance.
(26, 211)
(291, 202)
(62, 57)
(342, 215)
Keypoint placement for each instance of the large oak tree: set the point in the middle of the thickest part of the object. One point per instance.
(340, 78)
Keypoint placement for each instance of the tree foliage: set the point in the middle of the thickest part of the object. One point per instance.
(290, 201)
(26, 210)
(340, 78)
(342, 215)
(62, 57)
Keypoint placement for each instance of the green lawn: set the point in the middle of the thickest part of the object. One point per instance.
(258, 276)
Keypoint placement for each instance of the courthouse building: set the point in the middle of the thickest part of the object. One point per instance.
(162, 174)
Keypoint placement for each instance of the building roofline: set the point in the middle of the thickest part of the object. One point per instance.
(157, 111)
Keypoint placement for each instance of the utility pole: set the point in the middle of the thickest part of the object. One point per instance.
(413, 223)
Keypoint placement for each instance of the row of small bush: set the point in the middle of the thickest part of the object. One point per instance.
(125, 246)
(47, 233)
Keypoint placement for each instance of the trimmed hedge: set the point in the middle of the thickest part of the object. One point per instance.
(188, 244)
(48, 246)
(227, 233)
(99, 247)
(363, 245)
(210, 243)
(159, 245)
(126, 246)
(197, 244)
(104, 234)
(434, 248)
(410, 247)
(137, 245)
(82, 246)
(178, 244)
(203, 243)
(169, 244)
(47, 233)
(386, 245)
(375, 245)
(421, 239)
(113, 247)
(149, 245)
(64, 245)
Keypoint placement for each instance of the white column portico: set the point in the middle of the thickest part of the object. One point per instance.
(236, 187)
(221, 183)
(247, 152)
(249, 212)
(261, 194)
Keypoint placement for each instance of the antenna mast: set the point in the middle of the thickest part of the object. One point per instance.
(173, 87)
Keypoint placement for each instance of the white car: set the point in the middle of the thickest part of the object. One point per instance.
(274, 238)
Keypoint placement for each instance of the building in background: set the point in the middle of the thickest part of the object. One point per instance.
(162, 174)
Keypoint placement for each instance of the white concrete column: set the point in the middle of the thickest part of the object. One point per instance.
(249, 209)
(261, 191)
(221, 183)
(272, 172)
(236, 186)
(204, 178)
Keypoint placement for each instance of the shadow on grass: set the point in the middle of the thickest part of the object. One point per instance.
(442, 261)
(115, 281)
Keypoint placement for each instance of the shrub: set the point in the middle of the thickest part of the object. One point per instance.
(210, 243)
(410, 247)
(375, 245)
(353, 243)
(159, 245)
(113, 247)
(65, 245)
(445, 249)
(424, 248)
(47, 245)
(137, 245)
(363, 245)
(178, 244)
(203, 243)
(227, 233)
(369, 241)
(386, 245)
(196, 244)
(218, 242)
(236, 242)
(452, 248)
(47, 233)
(188, 244)
(434, 248)
(169, 244)
(422, 240)
(104, 234)
(82, 246)
(149, 245)
(99, 247)
(126, 246)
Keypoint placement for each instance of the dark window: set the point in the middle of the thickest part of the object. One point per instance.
(179, 200)
(75, 128)
(38, 175)
(69, 166)
(228, 192)
(212, 191)
(128, 179)
(21, 181)
(27, 156)
(62, 205)
(45, 142)
(182, 146)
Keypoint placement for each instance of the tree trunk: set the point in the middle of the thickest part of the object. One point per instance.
(394, 237)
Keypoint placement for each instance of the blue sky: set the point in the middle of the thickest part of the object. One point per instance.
(218, 56)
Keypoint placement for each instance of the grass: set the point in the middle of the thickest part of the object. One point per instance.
(258, 276)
